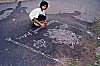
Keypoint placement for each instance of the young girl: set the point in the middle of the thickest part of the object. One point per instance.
(38, 15)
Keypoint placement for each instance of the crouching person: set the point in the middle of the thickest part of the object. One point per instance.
(38, 15)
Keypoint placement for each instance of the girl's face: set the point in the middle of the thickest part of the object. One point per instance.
(44, 7)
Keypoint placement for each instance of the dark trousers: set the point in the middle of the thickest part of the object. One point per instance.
(40, 18)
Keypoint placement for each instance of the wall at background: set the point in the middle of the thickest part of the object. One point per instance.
(2, 1)
(23, 0)
(7, 1)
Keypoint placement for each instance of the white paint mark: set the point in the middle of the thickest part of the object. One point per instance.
(13, 19)
(89, 33)
(24, 36)
(21, 11)
(33, 61)
(98, 38)
(64, 26)
(11, 65)
(35, 31)
(98, 51)
(62, 36)
(30, 48)
(6, 49)
(39, 43)
(46, 34)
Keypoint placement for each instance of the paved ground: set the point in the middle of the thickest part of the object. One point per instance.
(65, 41)
(89, 8)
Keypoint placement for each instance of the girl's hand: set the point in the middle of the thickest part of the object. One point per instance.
(43, 25)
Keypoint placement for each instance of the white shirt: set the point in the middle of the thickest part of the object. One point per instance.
(35, 13)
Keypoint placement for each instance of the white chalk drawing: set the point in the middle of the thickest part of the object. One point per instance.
(32, 49)
(64, 26)
(25, 35)
(35, 31)
(59, 34)
(90, 33)
(39, 43)
(62, 36)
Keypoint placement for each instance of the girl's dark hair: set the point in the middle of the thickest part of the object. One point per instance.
(43, 3)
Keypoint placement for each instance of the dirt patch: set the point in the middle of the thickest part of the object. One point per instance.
(83, 54)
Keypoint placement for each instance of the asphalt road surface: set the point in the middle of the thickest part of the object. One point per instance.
(54, 45)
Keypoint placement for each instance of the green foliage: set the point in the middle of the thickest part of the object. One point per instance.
(97, 30)
(98, 42)
(98, 56)
(97, 27)
(72, 63)
(90, 65)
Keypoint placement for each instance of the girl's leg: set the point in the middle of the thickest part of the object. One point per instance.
(41, 17)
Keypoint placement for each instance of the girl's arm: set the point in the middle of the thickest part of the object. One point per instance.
(37, 21)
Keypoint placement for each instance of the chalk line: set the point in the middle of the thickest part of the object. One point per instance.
(50, 22)
(30, 48)
(39, 43)
(35, 31)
